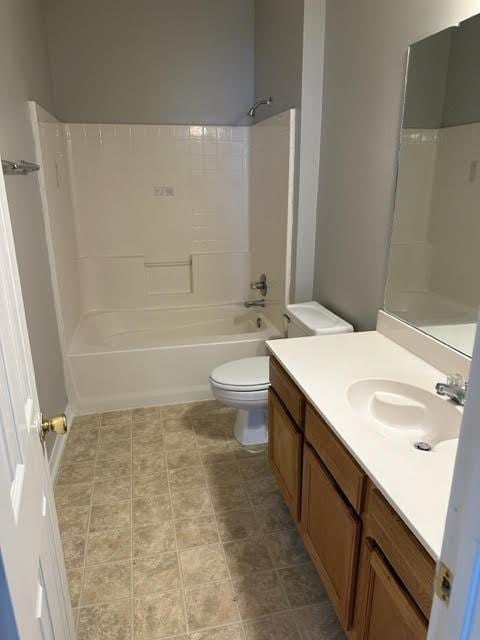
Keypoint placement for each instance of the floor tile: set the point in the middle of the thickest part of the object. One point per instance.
(217, 453)
(286, 548)
(247, 556)
(223, 473)
(151, 510)
(117, 418)
(89, 420)
(259, 594)
(186, 479)
(203, 564)
(252, 468)
(75, 577)
(157, 538)
(177, 424)
(184, 439)
(78, 452)
(148, 432)
(156, 574)
(262, 490)
(302, 585)
(147, 465)
(150, 485)
(197, 531)
(118, 449)
(274, 515)
(180, 459)
(234, 525)
(110, 516)
(253, 451)
(187, 504)
(105, 622)
(114, 432)
(107, 492)
(278, 627)
(75, 473)
(211, 605)
(319, 622)
(159, 616)
(150, 449)
(73, 519)
(112, 469)
(148, 414)
(106, 582)
(229, 497)
(73, 495)
(232, 632)
(74, 549)
(84, 435)
(108, 546)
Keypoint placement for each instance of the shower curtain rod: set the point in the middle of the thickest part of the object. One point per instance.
(22, 167)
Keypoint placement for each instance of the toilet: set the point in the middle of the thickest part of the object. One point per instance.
(243, 384)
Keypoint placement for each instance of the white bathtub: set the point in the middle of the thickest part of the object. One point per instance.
(121, 359)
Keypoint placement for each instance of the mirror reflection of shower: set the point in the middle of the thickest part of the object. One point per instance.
(259, 103)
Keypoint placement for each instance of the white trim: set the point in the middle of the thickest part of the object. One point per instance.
(59, 446)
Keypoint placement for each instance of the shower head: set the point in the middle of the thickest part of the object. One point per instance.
(257, 104)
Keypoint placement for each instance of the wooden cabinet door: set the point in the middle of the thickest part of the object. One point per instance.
(285, 453)
(384, 608)
(331, 532)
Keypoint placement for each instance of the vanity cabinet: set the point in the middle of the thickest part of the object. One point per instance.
(285, 441)
(375, 571)
(331, 532)
(386, 610)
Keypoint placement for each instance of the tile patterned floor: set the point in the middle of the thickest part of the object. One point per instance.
(172, 530)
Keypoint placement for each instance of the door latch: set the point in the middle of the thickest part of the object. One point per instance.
(443, 583)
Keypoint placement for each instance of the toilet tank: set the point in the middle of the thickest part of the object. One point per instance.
(312, 319)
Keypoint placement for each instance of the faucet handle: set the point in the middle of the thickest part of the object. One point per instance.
(457, 380)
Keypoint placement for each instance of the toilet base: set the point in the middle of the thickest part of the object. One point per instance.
(251, 427)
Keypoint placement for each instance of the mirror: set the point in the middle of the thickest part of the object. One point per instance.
(434, 268)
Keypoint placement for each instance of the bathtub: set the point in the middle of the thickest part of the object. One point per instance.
(134, 358)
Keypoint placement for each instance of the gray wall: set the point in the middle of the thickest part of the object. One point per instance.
(25, 75)
(365, 51)
(462, 96)
(151, 61)
(427, 82)
(278, 54)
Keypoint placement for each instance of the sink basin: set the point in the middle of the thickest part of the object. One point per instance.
(405, 411)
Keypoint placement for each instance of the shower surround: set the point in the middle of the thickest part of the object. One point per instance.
(154, 235)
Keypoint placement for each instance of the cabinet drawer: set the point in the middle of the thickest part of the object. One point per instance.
(285, 443)
(288, 392)
(413, 565)
(331, 532)
(345, 471)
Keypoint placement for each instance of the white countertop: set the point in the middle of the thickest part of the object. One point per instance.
(417, 484)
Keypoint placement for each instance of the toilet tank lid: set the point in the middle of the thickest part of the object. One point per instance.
(316, 319)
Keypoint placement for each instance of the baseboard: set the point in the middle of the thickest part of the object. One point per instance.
(59, 446)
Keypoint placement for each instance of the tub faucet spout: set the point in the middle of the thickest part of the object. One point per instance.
(255, 303)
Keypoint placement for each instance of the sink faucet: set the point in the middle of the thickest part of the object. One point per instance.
(455, 388)
(255, 303)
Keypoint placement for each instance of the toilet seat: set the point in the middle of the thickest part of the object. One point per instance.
(245, 375)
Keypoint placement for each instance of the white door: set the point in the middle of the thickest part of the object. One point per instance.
(30, 545)
(459, 619)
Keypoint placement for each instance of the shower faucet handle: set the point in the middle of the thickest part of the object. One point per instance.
(261, 285)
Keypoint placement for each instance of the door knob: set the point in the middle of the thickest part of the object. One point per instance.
(58, 425)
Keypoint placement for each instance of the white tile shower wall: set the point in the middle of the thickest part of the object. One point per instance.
(59, 223)
(410, 251)
(455, 220)
(151, 203)
(272, 148)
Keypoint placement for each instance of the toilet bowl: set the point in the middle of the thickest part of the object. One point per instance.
(243, 384)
